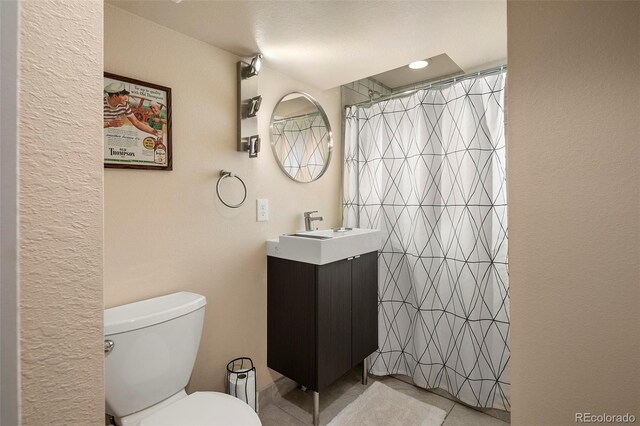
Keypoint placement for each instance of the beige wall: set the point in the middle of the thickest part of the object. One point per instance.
(574, 129)
(60, 196)
(167, 231)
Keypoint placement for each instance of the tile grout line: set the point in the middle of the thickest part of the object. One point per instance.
(287, 413)
(290, 415)
(305, 421)
(448, 412)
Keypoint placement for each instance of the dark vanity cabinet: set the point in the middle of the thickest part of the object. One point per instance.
(322, 319)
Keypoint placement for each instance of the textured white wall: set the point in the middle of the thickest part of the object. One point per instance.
(167, 231)
(574, 209)
(60, 190)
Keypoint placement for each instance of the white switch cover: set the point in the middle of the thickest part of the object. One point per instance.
(262, 210)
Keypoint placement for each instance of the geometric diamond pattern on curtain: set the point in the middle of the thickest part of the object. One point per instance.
(428, 170)
(300, 144)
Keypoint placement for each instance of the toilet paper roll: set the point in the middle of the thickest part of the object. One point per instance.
(243, 386)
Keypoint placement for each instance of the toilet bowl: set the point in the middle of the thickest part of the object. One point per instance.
(150, 350)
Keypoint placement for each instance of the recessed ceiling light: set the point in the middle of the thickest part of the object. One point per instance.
(176, 1)
(418, 64)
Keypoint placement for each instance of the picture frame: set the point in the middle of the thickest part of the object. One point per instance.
(137, 124)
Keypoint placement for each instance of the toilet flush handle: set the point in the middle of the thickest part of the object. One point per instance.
(108, 346)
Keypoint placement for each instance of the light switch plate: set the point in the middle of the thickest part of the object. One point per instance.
(262, 210)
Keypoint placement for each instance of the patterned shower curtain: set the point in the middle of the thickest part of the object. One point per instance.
(300, 144)
(428, 170)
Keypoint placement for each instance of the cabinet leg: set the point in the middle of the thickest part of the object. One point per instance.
(316, 408)
(364, 371)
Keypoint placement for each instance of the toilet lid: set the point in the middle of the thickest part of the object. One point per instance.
(204, 409)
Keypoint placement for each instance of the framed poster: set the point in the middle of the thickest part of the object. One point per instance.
(137, 124)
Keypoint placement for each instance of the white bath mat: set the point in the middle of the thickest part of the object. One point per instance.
(380, 405)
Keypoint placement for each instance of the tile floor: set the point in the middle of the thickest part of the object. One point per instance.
(296, 407)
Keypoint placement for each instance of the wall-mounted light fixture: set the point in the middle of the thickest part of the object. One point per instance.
(248, 106)
(254, 66)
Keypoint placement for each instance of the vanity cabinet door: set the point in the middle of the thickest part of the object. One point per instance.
(291, 320)
(364, 306)
(333, 321)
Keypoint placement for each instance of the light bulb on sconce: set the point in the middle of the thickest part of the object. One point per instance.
(254, 106)
(256, 62)
(253, 68)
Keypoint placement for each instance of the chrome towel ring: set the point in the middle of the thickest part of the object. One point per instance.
(223, 175)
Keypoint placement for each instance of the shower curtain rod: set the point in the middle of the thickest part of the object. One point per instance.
(431, 84)
(309, 114)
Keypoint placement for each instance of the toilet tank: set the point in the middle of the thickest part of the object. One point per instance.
(155, 343)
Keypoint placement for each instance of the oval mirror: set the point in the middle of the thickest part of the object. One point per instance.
(301, 137)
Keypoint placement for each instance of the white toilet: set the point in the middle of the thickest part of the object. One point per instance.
(150, 349)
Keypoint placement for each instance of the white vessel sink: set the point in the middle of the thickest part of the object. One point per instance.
(326, 246)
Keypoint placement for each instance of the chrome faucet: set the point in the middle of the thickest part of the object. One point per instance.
(308, 219)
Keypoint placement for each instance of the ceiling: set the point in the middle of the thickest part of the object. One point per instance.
(330, 43)
(439, 66)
